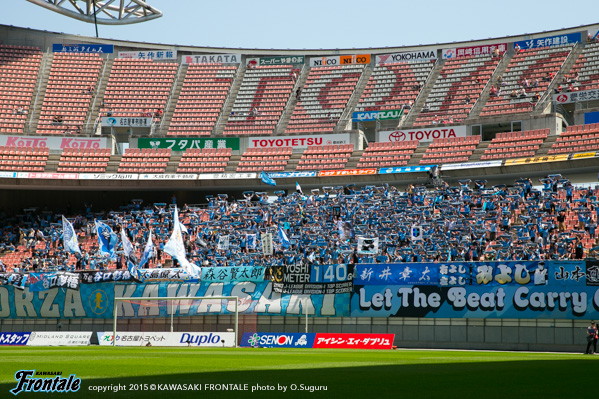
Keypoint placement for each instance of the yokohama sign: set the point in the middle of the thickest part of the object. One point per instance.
(414, 56)
(422, 135)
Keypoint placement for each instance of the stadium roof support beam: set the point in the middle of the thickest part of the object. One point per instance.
(107, 12)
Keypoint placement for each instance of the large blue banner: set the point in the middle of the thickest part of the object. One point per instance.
(509, 301)
(97, 301)
(558, 40)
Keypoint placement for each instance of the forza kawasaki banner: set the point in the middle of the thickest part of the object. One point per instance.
(97, 301)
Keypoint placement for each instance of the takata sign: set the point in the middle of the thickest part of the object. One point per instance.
(422, 135)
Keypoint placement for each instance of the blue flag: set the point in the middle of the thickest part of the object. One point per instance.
(69, 237)
(283, 238)
(266, 179)
(107, 240)
(134, 271)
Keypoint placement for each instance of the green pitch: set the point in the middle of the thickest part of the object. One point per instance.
(305, 373)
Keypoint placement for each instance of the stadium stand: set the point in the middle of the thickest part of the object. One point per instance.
(577, 138)
(380, 155)
(19, 69)
(76, 160)
(264, 159)
(138, 88)
(201, 100)
(71, 86)
(584, 75)
(394, 85)
(515, 144)
(144, 160)
(261, 99)
(207, 160)
(323, 99)
(451, 150)
(527, 77)
(325, 157)
(23, 159)
(458, 87)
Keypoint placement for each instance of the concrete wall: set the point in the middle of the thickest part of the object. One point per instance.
(549, 335)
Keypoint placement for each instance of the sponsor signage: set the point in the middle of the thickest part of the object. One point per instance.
(368, 116)
(582, 155)
(108, 176)
(121, 121)
(349, 172)
(548, 41)
(227, 176)
(531, 160)
(278, 340)
(340, 60)
(8, 175)
(182, 144)
(275, 175)
(232, 274)
(354, 341)
(59, 338)
(14, 338)
(170, 55)
(449, 53)
(576, 96)
(412, 56)
(82, 48)
(147, 275)
(406, 169)
(42, 175)
(211, 58)
(54, 143)
(298, 141)
(205, 339)
(169, 176)
(471, 165)
(284, 60)
(422, 135)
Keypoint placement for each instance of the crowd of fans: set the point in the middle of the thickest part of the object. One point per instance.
(467, 222)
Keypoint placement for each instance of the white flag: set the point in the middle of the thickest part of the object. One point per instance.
(127, 246)
(416, 233)
(223, 243)
(368, 245)
(175, 248)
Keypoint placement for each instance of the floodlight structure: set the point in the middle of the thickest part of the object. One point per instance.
(104, 12)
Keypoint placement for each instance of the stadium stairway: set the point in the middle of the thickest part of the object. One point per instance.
(223, 118)
(544, 104)
(484, 96)
(172, 101)
(353, 100)
(293, 161)
(291, 102)
(40, 92)
(479, 151)
(417, 156)
(547, 143)
(354, 159)
(422, 96)
(99, 97)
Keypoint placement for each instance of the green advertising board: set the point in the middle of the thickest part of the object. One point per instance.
(182, 144)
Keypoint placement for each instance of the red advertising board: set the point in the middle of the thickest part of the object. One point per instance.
(350, 172)
(354, 341)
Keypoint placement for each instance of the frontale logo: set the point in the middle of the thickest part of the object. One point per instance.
(27, 382)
